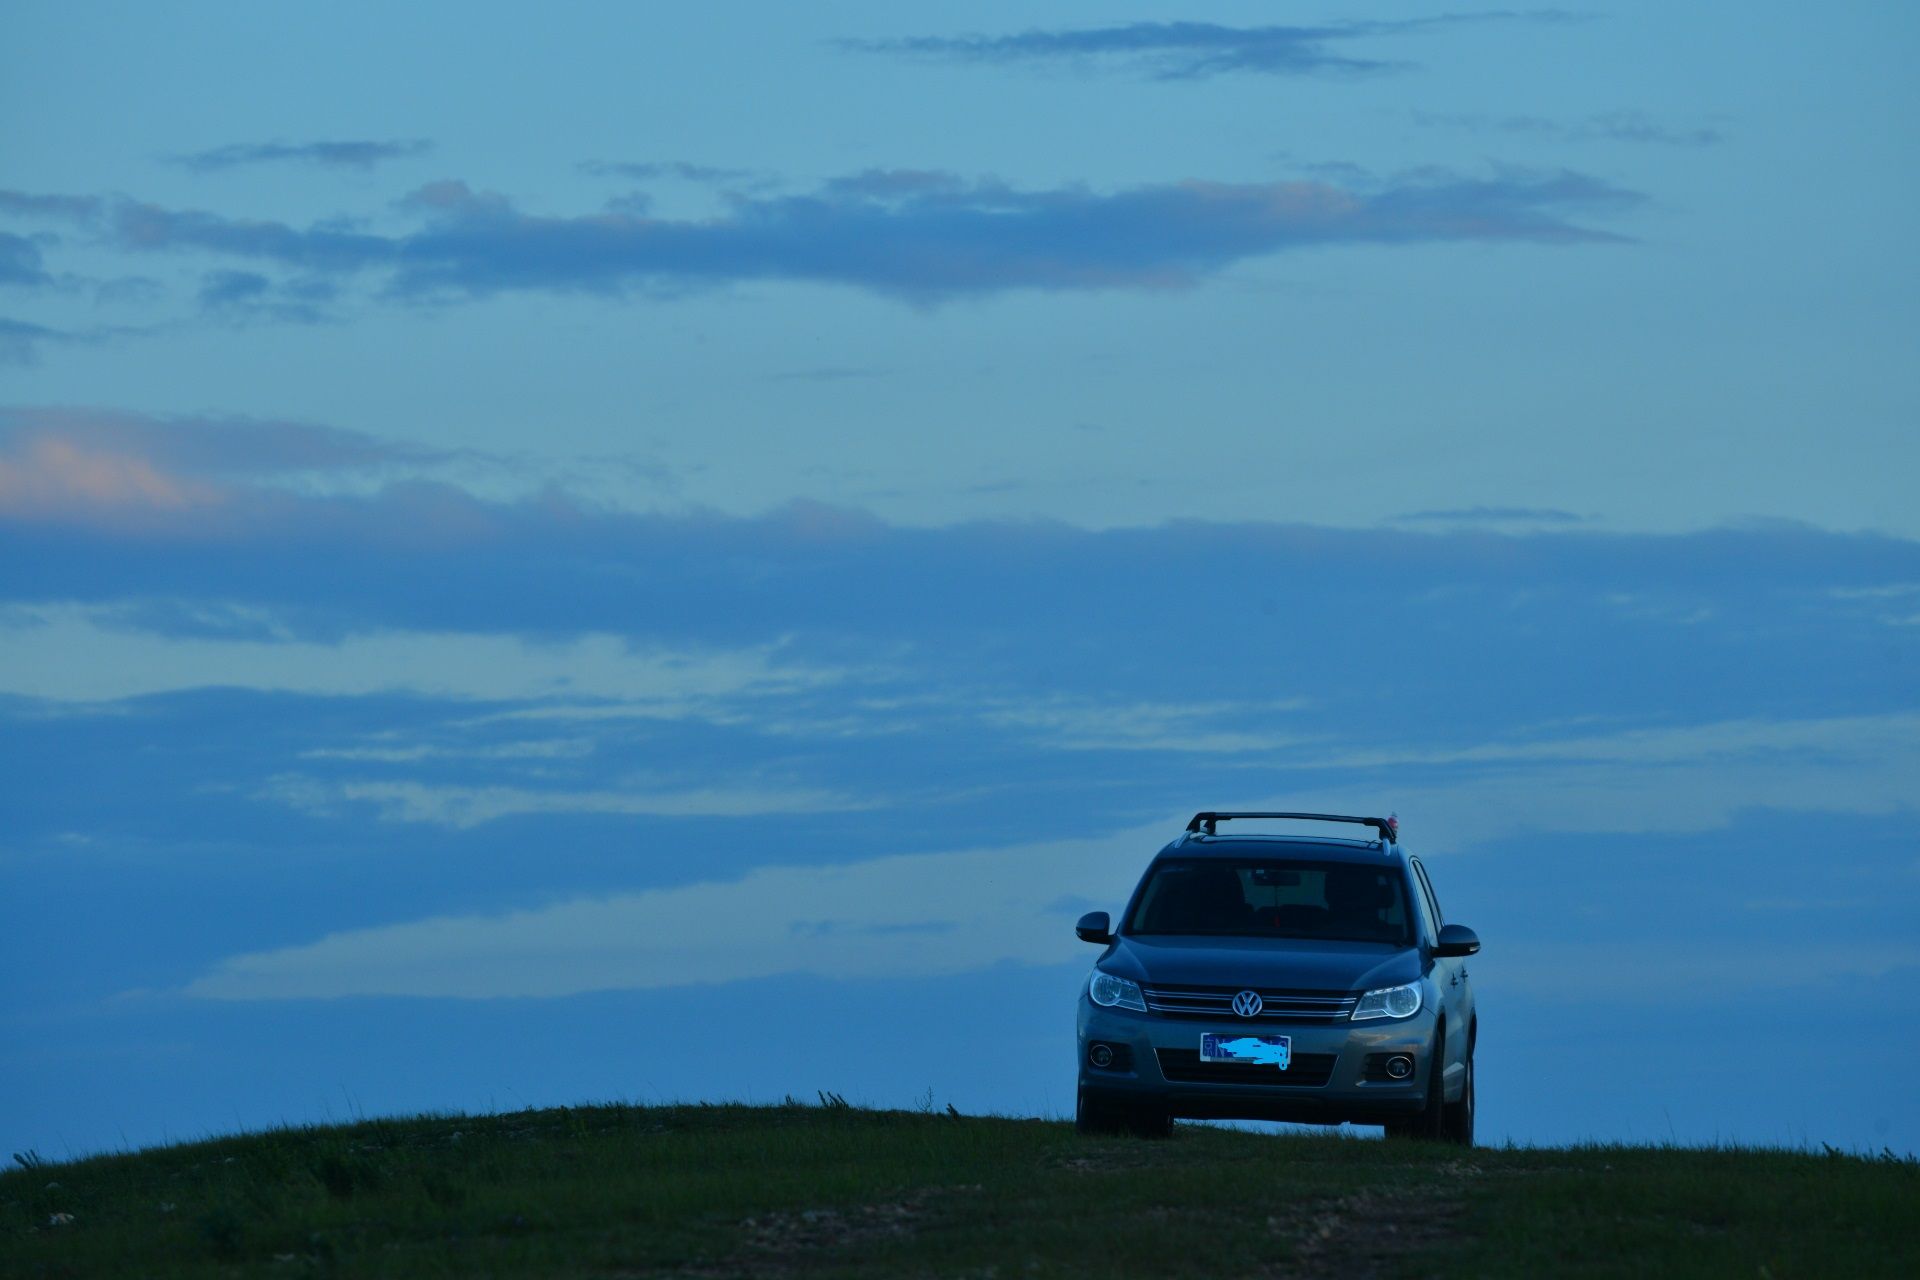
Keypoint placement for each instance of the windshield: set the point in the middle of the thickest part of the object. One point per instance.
(1266, 899)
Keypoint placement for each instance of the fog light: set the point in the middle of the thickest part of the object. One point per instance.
(1100, 1055)
(1399, 1066)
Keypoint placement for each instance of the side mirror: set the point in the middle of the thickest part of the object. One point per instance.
(1456, 940)
(1094, 926)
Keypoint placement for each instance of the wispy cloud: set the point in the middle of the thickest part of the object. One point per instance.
(832, 921)
(1607, 126)
(248, 295)
(1209, 728)
(103, 653)
(1491, 515)
(20, 262)
(20, 340)
(677, 170)
(58, 208)
(917, 235)
(39, 448)
(388, 750)
(49, 477)
(148, 227)
(465, 807)
(1011, 902)
(1192, 50)
(334, 154)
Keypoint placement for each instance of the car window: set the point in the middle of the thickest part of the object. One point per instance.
(1433, 900)
(1429, 927)
(1267, 898)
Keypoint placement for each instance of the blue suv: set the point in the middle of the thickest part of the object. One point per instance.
(1280, 977)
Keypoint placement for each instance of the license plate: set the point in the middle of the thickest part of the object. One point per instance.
(1260, 1051)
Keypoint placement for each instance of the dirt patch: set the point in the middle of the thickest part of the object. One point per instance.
(1370, 1233)
(812, 1230)
(1362, 1236)
(790, 1242)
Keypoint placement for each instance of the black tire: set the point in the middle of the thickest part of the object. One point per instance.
(1429, 1124)
(1459, 1115)
(1150, 1122)
(1093, 1114)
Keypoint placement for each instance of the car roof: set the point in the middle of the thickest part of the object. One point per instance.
(1284, 847)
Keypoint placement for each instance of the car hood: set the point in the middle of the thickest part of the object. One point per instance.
(1302, 964)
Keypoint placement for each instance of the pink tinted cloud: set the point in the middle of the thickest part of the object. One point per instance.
(240, 480)
(51, 478)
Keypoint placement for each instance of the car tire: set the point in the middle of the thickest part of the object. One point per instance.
(1459, 1115)
(1429, 1124)
(1151, 1122)
(1094, 1114)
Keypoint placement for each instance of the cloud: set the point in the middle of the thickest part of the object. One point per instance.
(20, 262)
(56, 463)
(1878, 737)
(60, 208)
(250, 295)
(1013, 902)
(146, 227)
(526, 749)
(222, 288)
(49, 477)
(679, 170)
(354, 154)
(833, 921)
(1211, 728)
(93, 654)
(1693, 778)
(1607, 126)
(1193, 50)
(1491, 515)
(20, 341)
(174, 554)
(464, 807)
(924, 237)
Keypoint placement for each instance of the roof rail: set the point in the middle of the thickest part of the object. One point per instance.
(1207, 822)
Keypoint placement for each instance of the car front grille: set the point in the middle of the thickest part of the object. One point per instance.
(1216, 1004)
(1307, 1071)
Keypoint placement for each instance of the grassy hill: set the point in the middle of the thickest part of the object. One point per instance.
(831, 1190)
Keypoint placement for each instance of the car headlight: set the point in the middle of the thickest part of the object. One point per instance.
(1110, 992)
(1389, 1002)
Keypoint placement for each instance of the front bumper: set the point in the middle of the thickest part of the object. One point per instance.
(1346, 1096)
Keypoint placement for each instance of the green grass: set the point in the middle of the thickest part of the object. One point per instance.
(621, 1191)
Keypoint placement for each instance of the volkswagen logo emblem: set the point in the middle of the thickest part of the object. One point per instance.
(1248, 1004)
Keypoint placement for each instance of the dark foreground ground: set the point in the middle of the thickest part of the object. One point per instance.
(836, 1191)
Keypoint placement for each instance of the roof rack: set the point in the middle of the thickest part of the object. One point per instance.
(1207, 822)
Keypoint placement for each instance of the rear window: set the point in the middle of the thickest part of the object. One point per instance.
(1267, 899)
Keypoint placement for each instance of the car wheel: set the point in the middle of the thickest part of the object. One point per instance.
(1430, 1124)
(1459, 1115)
(1151, 1122)
(1096, 1115)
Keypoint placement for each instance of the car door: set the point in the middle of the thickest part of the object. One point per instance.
(1449, 975)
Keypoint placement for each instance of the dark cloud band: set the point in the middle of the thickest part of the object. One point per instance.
(348, 154)
(921, 236)
(1195, 50)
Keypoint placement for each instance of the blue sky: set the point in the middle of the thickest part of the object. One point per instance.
(528, 541)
